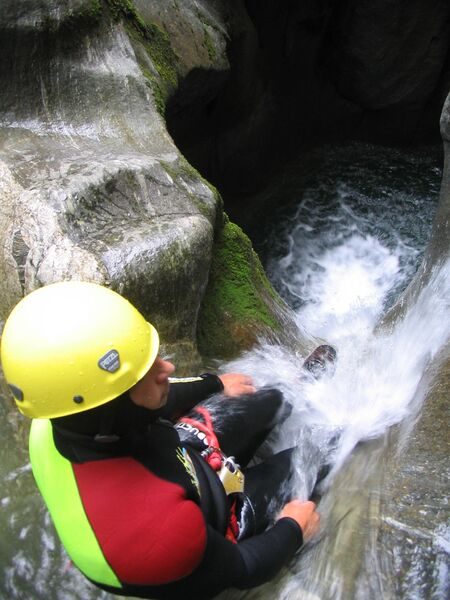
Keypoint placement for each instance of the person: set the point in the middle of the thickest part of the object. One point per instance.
(149, 480)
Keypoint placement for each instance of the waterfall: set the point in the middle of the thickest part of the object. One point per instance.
(340, 256)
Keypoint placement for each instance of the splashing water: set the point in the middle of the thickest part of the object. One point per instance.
(340, 261)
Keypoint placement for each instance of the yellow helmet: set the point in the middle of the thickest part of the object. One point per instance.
(70, 346)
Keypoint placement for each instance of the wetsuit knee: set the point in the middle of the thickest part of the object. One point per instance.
(273, 401)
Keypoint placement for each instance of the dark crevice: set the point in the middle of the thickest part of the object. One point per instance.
(304, 74)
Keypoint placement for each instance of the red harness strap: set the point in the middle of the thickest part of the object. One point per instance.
(214, 457)
(213, 454)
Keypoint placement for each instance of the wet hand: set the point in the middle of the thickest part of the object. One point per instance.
(236, 384)
(305, 514)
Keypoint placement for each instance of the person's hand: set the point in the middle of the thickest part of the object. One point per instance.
(236, 384)
(305, 514)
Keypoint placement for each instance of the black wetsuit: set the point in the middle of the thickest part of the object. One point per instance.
(190, 508)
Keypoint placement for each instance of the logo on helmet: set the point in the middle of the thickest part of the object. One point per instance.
(110, 361)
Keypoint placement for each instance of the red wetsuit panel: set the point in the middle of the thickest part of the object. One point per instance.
(148, 532)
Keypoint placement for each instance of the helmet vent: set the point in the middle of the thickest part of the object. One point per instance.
(78, 399)
(16, 392)
(110, 361)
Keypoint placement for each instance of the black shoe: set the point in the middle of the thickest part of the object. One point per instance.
(322, 359)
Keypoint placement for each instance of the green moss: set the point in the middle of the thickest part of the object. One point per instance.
(163, 57)
(188, 170)
(93, 9)
(158, 93)
(91, 12)
(125, 9)
(208, 44)
(239, 302)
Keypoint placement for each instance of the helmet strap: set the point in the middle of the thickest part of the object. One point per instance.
(105, 433)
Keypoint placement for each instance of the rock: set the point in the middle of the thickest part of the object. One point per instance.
(438, 249)
(413, 538)
(306, 73)
(369, 63)
(101, 195)
(240, 306)
(197, 32)
(94, 187)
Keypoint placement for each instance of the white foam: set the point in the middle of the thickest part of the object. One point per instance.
(340, 269)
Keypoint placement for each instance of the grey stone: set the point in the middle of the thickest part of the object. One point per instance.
(93, 187)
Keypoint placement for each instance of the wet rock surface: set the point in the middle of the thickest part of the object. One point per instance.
(93, 186)
(413, 540)
(413, 537)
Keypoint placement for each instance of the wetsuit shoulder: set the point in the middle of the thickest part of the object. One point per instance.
(184, 394)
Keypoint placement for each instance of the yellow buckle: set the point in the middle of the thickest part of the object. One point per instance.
(231, 476)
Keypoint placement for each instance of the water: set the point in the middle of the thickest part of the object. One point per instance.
(376, 375)
(347, 241)
(357, 228)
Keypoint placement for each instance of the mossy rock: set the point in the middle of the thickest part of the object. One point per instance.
(239, 305)
(155, 42)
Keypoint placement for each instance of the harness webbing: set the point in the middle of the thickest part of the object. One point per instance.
(214, 456)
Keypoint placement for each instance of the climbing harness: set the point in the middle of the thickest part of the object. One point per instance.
(227, 469)
(231, 476)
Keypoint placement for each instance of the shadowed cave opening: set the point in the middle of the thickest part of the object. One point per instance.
(306, 74)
